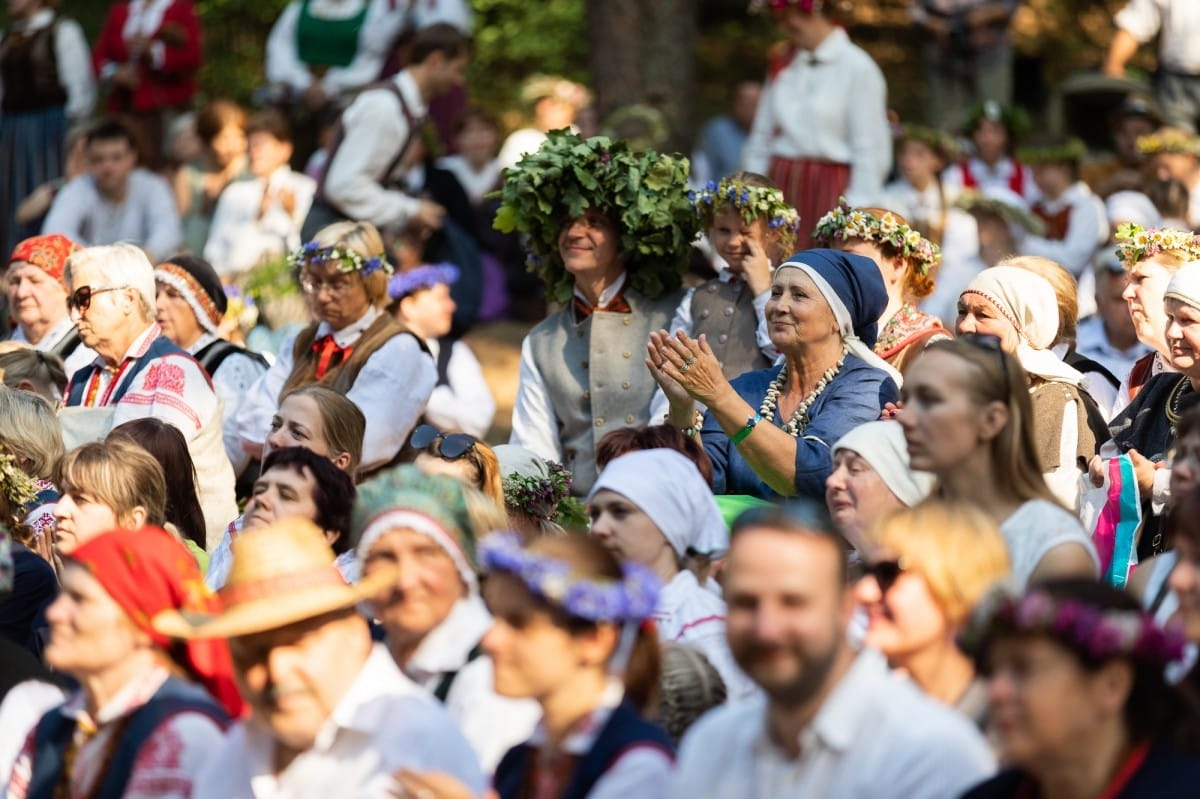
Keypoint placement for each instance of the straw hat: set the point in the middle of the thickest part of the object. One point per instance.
(282, 574)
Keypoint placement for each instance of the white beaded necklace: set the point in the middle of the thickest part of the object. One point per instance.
(795, 426)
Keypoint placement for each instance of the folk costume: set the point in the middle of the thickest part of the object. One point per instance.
(582, 370)
(1007, 175)
(1076, 221)
(821, 130)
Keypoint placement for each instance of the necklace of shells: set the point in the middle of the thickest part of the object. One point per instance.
(795, 425)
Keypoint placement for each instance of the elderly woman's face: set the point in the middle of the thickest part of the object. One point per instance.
(590, 247)
(797, 314)
(626, 531)
(903, 618)
(89, 632)
(175, 317)
(941, 420)
(337, 298)
(1144, 292)
(426, 588)
(979, 315)
(79, 517)
(33, 295)
(105, 314)
(857, 496)
(1183, 336)
(281, 493)
(1044, 704)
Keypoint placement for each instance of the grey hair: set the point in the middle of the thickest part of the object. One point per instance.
(117, 265)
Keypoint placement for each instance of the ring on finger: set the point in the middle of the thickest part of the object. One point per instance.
(688, 361)
(683, 369)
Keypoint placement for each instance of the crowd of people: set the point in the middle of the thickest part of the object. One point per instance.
(868, 482)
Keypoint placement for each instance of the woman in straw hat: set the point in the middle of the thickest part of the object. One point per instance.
(432, 613)
(137, 692)
(332, 715)
(570, 632)
(354, 346)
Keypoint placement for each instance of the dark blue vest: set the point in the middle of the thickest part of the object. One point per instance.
(53, 736)
(79, 381)
(625, 729)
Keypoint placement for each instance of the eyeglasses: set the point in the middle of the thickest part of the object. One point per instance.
(885, 572)
(452, 446)
(337, 286)
(985, 341)
(81, 299)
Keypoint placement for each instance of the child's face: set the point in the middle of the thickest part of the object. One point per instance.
(267, 154)
(731, 236)
(477, 141)
(1052, 179)
(991, 140)
(918, 162)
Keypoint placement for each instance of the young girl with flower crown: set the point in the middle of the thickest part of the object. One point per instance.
(907, 261)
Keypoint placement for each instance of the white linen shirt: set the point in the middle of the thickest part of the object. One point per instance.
(379, 30)
(81, 357)
(374, 129)
(1087, 230)
(241, 237)
(493, 724)
(875, 735)
(465, 403)
(1178, 22)
(147, 218)
(391, 391)
(1092, 342)
(232, 381)
(384, 723)
(691, 614)
(833, 110)
(990, 181)
(72, 56)
(1037, 527)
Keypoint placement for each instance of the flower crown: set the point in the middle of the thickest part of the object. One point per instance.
(752, 203)
(1169, 140)
(632, 599)
(423, 277)
(1136, 243)
(18, 488)
(343, 260)
(941, 143)
(1098, 634)
(547, 497)
(1072, 150)
(844, 223)
(641, 191)
(1013, 118)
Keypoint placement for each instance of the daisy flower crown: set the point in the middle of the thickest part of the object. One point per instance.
(1096, 633)
(844, 223)
(752, 203)
(1136, 243)
(633, 598)
(1169, 140)
(343, 260)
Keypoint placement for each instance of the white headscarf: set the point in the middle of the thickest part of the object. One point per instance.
(882, 445)
(1028, 301)
(668, 488)
(1185, 285)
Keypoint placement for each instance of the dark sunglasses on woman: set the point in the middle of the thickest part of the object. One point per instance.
(885, 572)
(452, 447)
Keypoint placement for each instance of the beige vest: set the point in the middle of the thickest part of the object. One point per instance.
(596, 376)
(724, 312)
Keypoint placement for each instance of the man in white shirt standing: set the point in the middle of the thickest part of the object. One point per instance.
(37, 300)
(367, 160)
(331, 712)
(117, 201)
(259, 219)
(1177, 25)
(832, 722)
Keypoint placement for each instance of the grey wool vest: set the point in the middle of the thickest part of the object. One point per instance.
(724, 312)
(596, 376)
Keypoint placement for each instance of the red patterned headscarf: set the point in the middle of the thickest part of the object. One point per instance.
(49, 253)
(148, 571)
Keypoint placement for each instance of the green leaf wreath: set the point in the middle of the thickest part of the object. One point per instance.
(645, 193)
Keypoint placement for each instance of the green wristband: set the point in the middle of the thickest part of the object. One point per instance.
(745, 432)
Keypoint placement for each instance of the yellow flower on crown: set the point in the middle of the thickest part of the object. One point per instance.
(888, 225)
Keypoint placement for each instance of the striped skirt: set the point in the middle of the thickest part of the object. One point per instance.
(812, 187)
(31, 153)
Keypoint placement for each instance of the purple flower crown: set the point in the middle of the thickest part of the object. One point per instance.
(423, 277)
(1099, 634)
(343, 260)
(632, 599)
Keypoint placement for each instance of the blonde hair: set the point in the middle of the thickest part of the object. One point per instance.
(364, 239)
(1065, 291)
(29, 429)
(119, 474)
(343, 424)
(117, 265)
(485, 514)
(956, 547)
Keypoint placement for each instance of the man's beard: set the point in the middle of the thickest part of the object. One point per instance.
(798, 689)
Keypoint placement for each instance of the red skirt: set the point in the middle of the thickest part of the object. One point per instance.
(812, 187)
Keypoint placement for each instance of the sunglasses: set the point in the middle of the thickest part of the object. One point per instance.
(885, 572)
(81, 298)
(985, 341)
(452, 446)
